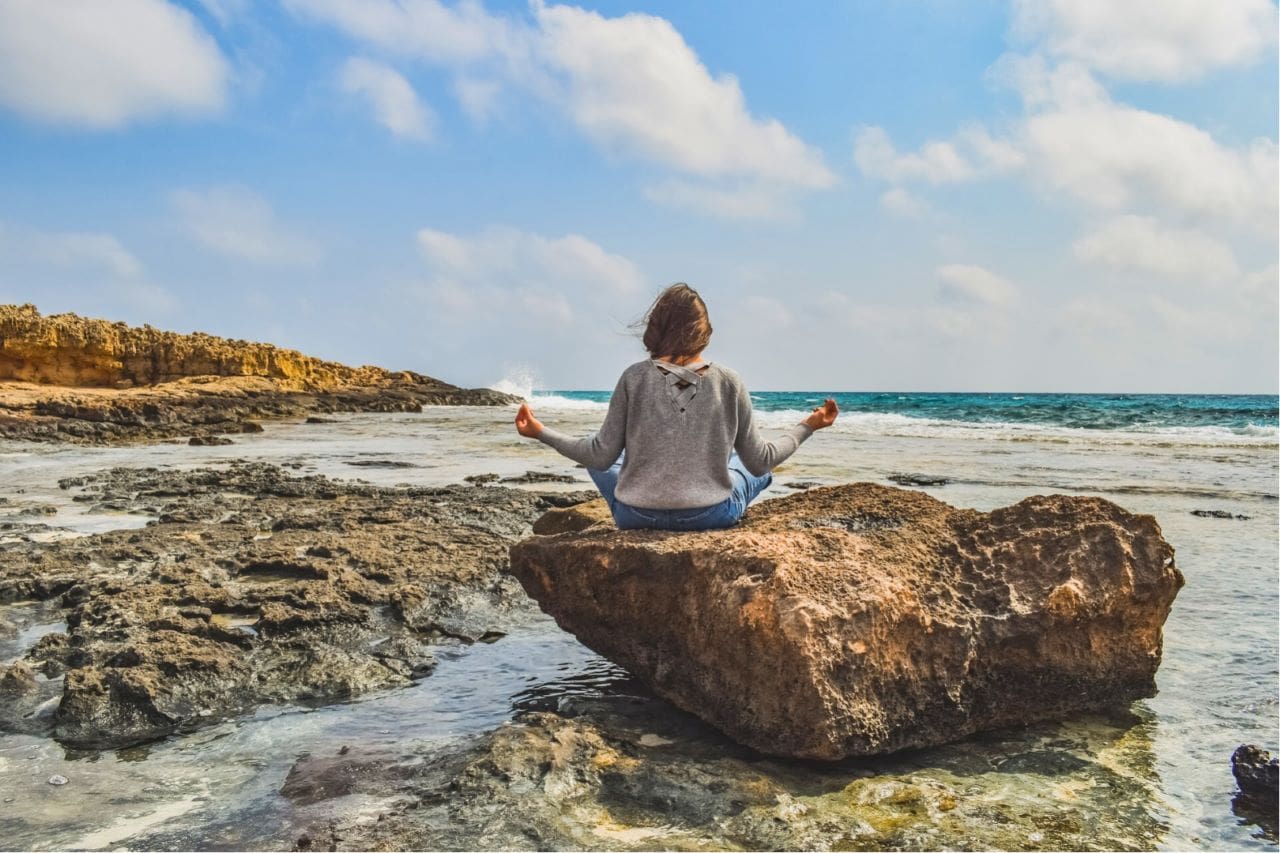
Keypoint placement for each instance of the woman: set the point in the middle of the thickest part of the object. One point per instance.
(678, 449)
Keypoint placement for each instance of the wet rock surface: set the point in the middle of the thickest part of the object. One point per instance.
(628, 772)
(253, 587)
(74, 379)
(1258, 777)
(1219, 513)
(864, 619)
(917, 480)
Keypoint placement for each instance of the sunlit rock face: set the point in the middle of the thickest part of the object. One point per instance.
(862, 619)
(70, 378)
(65, 349)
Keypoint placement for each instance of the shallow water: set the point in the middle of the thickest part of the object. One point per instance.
(219, 787)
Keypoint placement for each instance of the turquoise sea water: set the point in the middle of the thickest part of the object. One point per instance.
(1138, 412)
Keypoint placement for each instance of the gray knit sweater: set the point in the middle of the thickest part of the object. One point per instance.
(678, 439)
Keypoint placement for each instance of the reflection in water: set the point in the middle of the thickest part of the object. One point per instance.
(1253, 813)
(596, 677)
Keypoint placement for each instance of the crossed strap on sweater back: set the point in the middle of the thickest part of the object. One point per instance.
(682, 380)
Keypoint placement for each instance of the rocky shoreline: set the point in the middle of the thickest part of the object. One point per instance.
(253, 586)
(71, 379)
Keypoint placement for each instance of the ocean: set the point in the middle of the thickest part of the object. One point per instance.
(1206, 466)
(1215, 416)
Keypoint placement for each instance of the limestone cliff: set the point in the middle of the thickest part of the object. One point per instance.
(69, 350)
(69, 378)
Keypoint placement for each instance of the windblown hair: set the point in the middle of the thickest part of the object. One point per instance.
(676, 324)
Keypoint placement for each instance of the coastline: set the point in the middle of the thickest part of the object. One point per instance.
(516, 699)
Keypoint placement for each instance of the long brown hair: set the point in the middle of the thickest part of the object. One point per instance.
(677, 324)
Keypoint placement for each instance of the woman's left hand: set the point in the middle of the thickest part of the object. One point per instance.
(526, 424)
(823, 416)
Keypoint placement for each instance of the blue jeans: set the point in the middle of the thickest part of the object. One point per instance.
(746, 486)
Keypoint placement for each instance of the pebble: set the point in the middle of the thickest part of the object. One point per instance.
(58, 779)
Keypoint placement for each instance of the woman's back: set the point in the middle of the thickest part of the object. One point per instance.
(678, 421)
(678, 425)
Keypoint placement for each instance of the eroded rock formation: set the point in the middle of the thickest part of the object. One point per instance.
(254, 586)
(65, 377)
(863, 619)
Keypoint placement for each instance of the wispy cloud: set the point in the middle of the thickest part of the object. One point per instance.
(238, 223)
(1142, 244)
(395, 104)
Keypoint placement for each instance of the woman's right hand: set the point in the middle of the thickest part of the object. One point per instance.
(526, 424)
(823, 416)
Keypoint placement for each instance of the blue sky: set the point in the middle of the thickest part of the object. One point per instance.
(1072, 196)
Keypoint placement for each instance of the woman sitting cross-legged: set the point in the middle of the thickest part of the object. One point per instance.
(678, 449)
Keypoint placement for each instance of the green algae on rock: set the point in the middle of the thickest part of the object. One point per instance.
(630, 772)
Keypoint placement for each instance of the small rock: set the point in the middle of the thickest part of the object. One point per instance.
(917, 480)
(1258, 775)
(540, 477)
(18, 680)
(315, 420)
(208, 441)
(481, 479)
(802, 484)
(58, 779)
(1219, 513)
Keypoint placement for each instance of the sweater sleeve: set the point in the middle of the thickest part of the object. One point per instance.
(760, 456)
(602, 449)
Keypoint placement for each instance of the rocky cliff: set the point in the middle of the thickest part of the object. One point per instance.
(66, 377)
(66, 349)
(863, 619)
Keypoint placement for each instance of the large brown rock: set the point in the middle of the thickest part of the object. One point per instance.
(863, 619)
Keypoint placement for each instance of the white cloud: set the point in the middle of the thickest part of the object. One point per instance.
(69, 250)
(936, 162)
(225, 11)
(1262, 288)
(478, 97)
(1092, 317)
(1139, 243)
(236, 222)
(749, 201)
(1115, 156)
(430, 29)
(395, 104)
(900, 202)
(1076, 140)
(528, 276)
(973, 154)
(103, 65)
(94, 251)
(631, 84)
(1151, 40)
(77, 270)
(976, 285)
